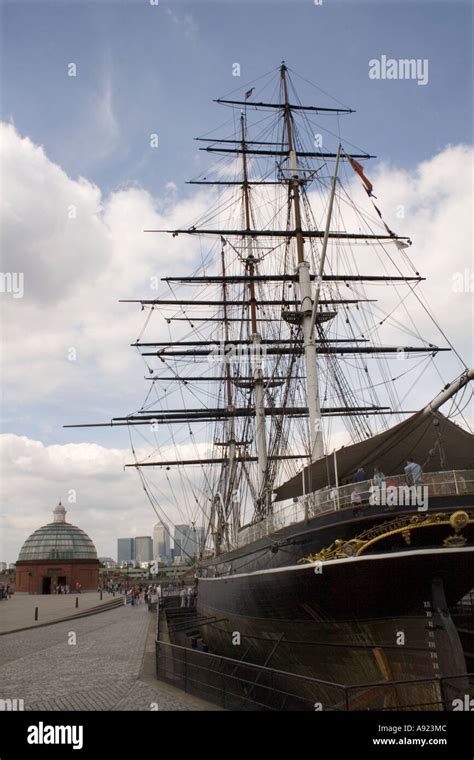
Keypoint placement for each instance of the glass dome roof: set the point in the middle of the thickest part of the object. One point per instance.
(58, 540)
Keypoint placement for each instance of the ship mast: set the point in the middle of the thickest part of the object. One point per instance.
(222, 504)
(244, 400)
(256, 356)
(312, 384)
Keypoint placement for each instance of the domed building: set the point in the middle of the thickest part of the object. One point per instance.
(57, 554)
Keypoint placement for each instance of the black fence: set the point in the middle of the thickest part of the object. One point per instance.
(239, 685)
(236, 685)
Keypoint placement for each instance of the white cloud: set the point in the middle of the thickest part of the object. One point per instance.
(185, 22)
(94, 131)
(80, 253)
(35, 476)
(37, 206)
(103, 119)
(107, 500)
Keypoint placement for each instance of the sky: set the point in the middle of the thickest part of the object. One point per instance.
(83, 141)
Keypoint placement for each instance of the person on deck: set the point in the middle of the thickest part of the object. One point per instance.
(360, 476)
(413, 471)
(379, 477)
(356, 502)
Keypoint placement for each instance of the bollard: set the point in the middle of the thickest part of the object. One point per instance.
(101, 595)
(77, 602)
(36, 613)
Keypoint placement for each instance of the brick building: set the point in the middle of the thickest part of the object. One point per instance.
(57, 554)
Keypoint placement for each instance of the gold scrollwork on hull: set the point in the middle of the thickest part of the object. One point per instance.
(458, 521)
(400, 526)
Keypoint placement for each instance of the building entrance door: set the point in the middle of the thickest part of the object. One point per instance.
(46, 586)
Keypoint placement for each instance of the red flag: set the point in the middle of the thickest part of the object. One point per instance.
(360, 171)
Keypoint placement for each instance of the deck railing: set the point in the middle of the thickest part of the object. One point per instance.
(354, 495)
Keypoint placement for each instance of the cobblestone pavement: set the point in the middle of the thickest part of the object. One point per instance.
(19, 611)
(110, 667)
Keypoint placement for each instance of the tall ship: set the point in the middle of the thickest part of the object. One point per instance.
(287, 412)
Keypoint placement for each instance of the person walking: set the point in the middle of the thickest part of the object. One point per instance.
(184, 596)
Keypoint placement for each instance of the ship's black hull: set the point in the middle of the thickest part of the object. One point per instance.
(358, 620)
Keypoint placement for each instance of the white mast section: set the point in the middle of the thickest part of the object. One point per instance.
(322, 260)
(448, 392)
(312, 383)
(231, 444)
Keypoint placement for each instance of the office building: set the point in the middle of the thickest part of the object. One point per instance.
(187, 542)
(161, 542)
(125, 550)
(143, 549)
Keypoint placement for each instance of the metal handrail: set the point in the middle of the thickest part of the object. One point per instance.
(350, 496)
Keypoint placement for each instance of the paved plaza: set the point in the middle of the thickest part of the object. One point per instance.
(109, 667)
(19, 610)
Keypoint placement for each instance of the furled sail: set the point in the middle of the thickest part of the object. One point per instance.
(431, 440)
